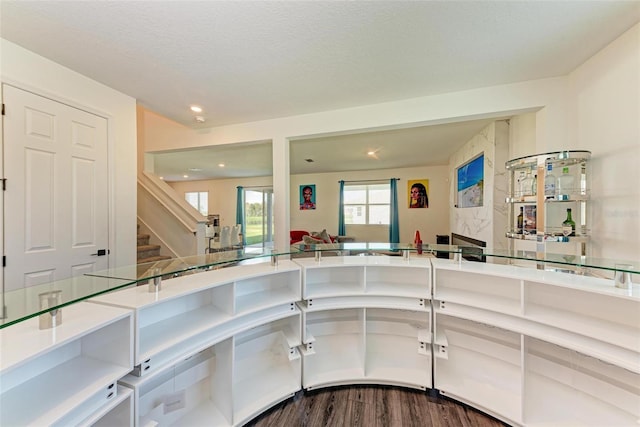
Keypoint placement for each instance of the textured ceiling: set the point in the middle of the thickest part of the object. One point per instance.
(245, 61)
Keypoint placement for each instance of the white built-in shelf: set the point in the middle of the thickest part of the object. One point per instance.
(559, 380)
(483, 366)
(267, 367)
(118, 412)
(193, 312)
(585, 313)
(368, 346)
(500, 294)
(365, 275)
(40, 378)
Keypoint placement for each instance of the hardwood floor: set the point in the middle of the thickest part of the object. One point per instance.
(371, 406)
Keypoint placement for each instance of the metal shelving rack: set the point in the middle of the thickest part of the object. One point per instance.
(549, 211)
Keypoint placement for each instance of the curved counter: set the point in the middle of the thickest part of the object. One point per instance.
(527, 346)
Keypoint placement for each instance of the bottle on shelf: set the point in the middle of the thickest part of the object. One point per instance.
(527, 185)
(549, 183)
(534, 185)
(520, 189)
(521, 220)
(569, 226)
(417, 241)
(565, 182)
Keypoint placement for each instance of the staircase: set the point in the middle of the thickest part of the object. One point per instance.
(147, 252)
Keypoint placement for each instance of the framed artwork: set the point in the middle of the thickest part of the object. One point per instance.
(418, 190)
(307, 197)
(471, 183)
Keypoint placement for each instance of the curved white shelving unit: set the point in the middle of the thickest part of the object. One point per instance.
(555, 342)
(40, 369)
(530, 347)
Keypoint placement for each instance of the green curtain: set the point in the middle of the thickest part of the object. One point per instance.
(394, 222)
(240, 213)
(341, 228)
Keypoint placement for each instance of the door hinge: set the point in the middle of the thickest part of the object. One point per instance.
(3, 108)
(4, 184)
(4, 260)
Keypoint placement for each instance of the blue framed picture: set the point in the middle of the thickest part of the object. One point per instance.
(471, 183)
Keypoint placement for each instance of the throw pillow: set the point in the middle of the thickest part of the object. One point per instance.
(309, 240)
(325, 236)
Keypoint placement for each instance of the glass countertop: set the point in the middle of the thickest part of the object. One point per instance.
(23, 304)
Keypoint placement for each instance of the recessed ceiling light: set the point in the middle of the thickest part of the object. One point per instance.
(162, 177)
(221, 165)
(371, 153)
(185, 176)
(196, 109)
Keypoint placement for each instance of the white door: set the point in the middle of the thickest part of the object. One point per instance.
(55, 201)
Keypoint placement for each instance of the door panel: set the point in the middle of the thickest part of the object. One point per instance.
(56, 202)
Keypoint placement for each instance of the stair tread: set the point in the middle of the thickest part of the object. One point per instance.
(153, 258)
(142, 248)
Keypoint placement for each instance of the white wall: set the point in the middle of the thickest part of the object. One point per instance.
(430, 221)
(604, 118)
(29, 71)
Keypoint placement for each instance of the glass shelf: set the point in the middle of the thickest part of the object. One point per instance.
(556, 158)
(23, 304)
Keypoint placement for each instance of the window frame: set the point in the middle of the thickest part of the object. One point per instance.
(199, 195)
(367, 204)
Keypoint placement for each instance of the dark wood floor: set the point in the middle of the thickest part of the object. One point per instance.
(371, 406)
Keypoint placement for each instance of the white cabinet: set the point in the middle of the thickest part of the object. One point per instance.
(65, 375)
(366, 320)
(530, 346)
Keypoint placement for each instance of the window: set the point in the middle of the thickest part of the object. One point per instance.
(367, 203)
(199, 200)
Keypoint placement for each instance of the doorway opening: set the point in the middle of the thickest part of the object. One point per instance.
(258, 217)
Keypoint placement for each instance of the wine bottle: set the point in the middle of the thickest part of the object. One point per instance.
(549, 183)
(569, 226)
(521, 220)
